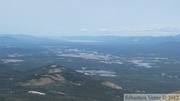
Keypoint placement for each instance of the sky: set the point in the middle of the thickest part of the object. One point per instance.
(90, 17)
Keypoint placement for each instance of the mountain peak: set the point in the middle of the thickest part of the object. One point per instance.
(47, 75)
(55, 69)
(63, 83)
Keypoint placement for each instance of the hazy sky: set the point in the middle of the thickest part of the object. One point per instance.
(90, 17)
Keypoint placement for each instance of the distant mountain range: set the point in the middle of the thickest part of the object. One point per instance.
(142, 44)
(114, 39)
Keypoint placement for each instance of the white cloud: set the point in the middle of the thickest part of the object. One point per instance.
(168, 29)
(84, 30)
(103, 30)
(164, 31)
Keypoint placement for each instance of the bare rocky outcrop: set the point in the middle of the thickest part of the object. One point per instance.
(54, 69)
(53, 75)
(111, 85)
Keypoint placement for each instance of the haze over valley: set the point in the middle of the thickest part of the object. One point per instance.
(120, 63)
